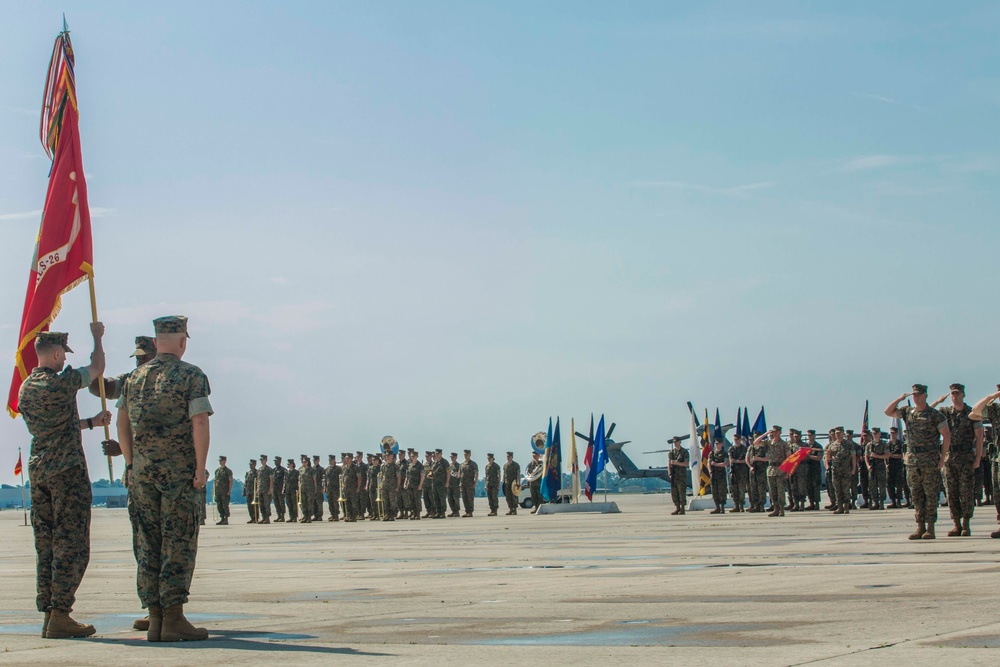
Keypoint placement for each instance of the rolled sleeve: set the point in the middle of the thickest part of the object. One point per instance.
(200, 406)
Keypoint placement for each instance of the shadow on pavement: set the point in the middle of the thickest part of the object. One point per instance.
(236, 640)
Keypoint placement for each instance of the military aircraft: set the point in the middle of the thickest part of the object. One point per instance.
(627, 469)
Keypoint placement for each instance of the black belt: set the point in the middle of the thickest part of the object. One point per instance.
(924, 449)
(962, 448)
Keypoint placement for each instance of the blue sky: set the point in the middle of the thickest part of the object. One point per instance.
(448, 221)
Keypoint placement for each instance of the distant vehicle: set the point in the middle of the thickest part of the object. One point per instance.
(525, 501)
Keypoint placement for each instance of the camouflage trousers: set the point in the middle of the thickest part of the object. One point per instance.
(995, 469)
(877, 482)
(307, 502)
(352, 504)
(777, 484)
(839, 484)
(222, 506)
(251, 509)
(369, 500)
(925, 485)
(678, 489)
(719, 487)
(318, 506)
(264, 506)
(167, 527)
(279, 504)
(430, 498)
(333, 501)
(509, 496)
(740, 485)
(863, 481)
(799, 482)
(60, 521)
(468, 492)
(814, 482)
(959, 478)
(414, 495)
(758, 489)
(831, 488)
(493, 498)
(894, 484)
(440, 497)
(388, 497)
(292, 503)
(453, 496)
(403, 500)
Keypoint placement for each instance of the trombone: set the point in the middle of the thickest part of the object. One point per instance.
(255, 502)
(379, 504)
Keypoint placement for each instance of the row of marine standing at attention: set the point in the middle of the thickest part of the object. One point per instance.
(163, 412)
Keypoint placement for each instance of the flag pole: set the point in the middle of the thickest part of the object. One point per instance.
(24, 504)
(100, 378)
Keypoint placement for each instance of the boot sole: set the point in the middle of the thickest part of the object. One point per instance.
(68, 635)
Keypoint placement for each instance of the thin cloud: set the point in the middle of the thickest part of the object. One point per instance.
(732, 191)
(24, 215)
(877, 98)
(868, 162)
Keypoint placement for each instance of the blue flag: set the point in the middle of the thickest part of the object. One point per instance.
(598, 460)
(552, 477)
(746, 423)
(718, 426)
(739, 422)
(760, 426)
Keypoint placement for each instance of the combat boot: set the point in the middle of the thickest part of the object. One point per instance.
(995, 534)
(957, 530)
(61, 626)
(266, 521)
(141, 624)
(929, 533)
(919, 532)
(280, 519)
(683, 510)
(839, 510)
(154, 623)
(716, 510)
(222, 522)
(176, 627)
(677, 510)
(773, 512)
(966, 530)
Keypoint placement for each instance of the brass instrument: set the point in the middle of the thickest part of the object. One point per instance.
(254, 503)
(515, 487)
(379, 504)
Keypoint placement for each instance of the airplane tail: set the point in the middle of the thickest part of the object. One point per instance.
(622, 463)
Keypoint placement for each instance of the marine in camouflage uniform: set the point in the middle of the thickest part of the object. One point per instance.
(402, 496)
(60, 488)
(533, 473)
(349, 483)
(777, 451)
(492, 476)
(757, 460)
(442, 477)
(841, 461)
(831, 489)
(927, 443)
(876, 458)
(292, 491)
(895, 472)
(430, 495)
(332, 485)
(222, 489)
(964, 454)
(278, 476)
(307, 490)
(468, 475)
(993, 414)
(366, 500)
(739, 473)
(717, 465)
(863, 482)
(414, 484)
(453, 480)
(511, 475)
(250, 490)
(859, 455)
(814, 471)
(203, 502)
(388, 482)
(163, 426)
(678, 459)
(798, 481)
(319, 476)
(370, 494)
(265, 478)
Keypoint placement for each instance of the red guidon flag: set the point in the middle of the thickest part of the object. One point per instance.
(17, 468)
(792, 462)
(64, 250)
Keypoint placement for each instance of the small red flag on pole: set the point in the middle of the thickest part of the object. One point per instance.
(17, 468)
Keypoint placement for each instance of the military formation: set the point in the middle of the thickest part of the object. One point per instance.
(372, 487)
(946, 452)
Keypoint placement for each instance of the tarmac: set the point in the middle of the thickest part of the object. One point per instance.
(640, 587)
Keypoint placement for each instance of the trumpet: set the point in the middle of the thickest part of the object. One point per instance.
(343, 503)
(379, 504)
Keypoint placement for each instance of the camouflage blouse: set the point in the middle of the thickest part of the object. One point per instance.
(922, 431)
(47, 403)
